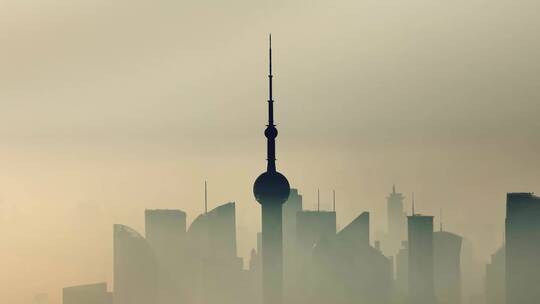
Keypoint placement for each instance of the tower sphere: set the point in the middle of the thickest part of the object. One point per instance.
(271, 187)
(271, 132)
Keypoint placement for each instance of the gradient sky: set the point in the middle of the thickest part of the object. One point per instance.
(111, 107)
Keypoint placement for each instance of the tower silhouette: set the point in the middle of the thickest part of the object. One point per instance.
(271, 190)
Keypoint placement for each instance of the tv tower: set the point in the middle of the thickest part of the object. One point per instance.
(271, 190)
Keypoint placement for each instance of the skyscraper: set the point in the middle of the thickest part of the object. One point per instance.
(271, 190)
(166, 233)
(447, 267)
(213, 267)
(344, 268)
(495, 281)
(397, 223)
(421, 280)
(135, 268)
(522, 248)
(292, 206)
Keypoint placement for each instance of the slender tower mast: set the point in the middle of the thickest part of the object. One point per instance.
(271, 190)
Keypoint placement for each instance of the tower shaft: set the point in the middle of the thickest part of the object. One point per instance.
(272, 254)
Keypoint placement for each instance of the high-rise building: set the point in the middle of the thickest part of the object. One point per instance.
(213, 267)
(522, 248)
(402, 271)
(397, 223)
(447, 267)
(87, 294)
(420, 242)
(344, 268)
(311, 228)
(495, 282)
(135, 268)
(166, 233)
(271, 189)
(291, 207)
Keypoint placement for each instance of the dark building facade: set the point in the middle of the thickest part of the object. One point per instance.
(87, 294)
(447, 267)
(166, 233)
(420, 266)
(522, 248)
(135, 268)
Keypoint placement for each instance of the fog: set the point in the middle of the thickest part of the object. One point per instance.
(112, 107)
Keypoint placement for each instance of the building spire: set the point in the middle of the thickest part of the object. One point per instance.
(271, 131)
(334, 200)
(394, 189)
(318, 200)
(440, 220)
(413, 204)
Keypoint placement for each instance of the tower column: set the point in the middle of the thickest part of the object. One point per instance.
(272, 253)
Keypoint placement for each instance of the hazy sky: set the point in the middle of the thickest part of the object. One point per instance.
(110, 107)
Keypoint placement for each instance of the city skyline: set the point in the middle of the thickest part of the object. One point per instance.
(108, 113)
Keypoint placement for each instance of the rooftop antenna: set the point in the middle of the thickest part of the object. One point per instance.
(441, 224)
(413, 204)
(205, 198)
(334, 200)
(318, 200)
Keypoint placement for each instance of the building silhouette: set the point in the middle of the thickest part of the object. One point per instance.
(522, 248)
(87, 294)
(166, 233)
(396, 223)
(135, 268)
(402, 272)
(215, 271)
(271, 189)
(420, 261)
(291, 207)
(495, 278)
(311, 228)
(447, 267)
(346, 269)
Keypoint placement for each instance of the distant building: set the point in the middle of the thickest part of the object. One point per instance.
(495, 282)
(522, 248)
(312, 227)
(421, 275)
(447, 267)
(397, 224)
(346, 269)
(291, 207)
(215, 270)
(166, 233)
(87, 294)
(402, 272)
(135, 268)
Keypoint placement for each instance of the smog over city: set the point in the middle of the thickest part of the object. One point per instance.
(269, 152)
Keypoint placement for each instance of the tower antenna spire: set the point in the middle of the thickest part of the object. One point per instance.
(441, 220)
(334, 200)
(271, 131)
(205, 198)
(318, 201)
(413, 204)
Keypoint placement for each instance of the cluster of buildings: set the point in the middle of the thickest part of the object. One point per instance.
(173, 263)
(301, 257)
